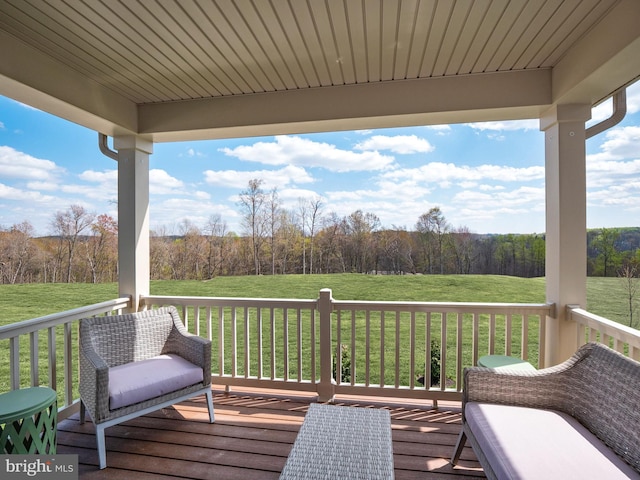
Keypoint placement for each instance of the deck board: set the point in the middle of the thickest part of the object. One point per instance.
(252, 436)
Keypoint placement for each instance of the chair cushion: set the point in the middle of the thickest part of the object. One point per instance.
(139, 381)
(527, 443)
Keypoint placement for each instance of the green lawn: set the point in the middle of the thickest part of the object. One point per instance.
(605, 296)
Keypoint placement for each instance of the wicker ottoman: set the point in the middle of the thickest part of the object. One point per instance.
(342, 442)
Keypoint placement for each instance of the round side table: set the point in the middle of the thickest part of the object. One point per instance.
(28, 421)
(504, 362)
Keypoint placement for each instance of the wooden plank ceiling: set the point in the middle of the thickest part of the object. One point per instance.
(151, 51)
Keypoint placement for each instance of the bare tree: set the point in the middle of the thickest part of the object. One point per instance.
(331, 240)
(433, 228)
(252, 203)
(68, 226)
(309, 211)
(360, 227)
(273, 221)
(628, 274)
(191, 249)
(462, 246)
(16, 251)
(159, 254)
(288, 239)
(315, 208)
(102, 249)
(302, 215)
(216, 231)
(605, 245)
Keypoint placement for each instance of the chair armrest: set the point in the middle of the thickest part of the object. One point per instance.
(193, 348)
(546, 388)
(94, 372)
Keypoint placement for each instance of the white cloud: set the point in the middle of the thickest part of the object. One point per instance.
(600, 112)
(161, 183)
(272, 178)
(169, 212)
(408, 188)
(202, 195)
(401, 144)
(46, 186)
(505, 199)
(106, 176)
(192, 153)
(506, 126)
(11, 193)
(604, 173)
(16, 164)
(489, 188)
(622, 142)
(291, 196)
(633, 98)
(605, 109)
(292, 150)
(439, 128)
(625, 194)
(438, 172)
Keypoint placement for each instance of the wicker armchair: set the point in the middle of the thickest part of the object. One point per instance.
(136, 363)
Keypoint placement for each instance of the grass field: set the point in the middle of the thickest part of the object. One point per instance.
(606, 297)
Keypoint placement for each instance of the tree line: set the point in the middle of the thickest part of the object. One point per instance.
(82, 246)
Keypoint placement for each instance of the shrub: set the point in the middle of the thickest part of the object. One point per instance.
(435, 365)
(345, 370)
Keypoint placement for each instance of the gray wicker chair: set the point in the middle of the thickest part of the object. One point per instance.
(139, 340)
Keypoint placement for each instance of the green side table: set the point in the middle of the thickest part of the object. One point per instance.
(504, 362)
(28, 421)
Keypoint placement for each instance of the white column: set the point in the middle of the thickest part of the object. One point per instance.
(566, 223)
(133, 216)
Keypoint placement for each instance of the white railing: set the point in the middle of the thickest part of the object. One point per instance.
(54, 365)
(379, 348)
(593, 328)
(371, 348)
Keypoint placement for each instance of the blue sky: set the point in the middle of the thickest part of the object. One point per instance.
(488, 177)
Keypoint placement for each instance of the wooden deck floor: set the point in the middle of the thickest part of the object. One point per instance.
(252, 436)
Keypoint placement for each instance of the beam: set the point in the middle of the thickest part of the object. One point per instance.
(464, 98)
(33, 78)
(603, 61)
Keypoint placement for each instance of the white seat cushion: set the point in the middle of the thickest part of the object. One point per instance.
(527, 443)
(139, 381)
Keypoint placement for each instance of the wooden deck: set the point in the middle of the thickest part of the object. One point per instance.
(252, 436)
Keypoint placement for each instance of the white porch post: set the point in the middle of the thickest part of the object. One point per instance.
(133, 216)
(566, 223)
(326, 387)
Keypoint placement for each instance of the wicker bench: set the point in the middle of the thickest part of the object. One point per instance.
(579, 419)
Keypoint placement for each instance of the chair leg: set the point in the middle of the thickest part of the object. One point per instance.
(82, 412)
(462, 439)
(209, 398)
(102, 450)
